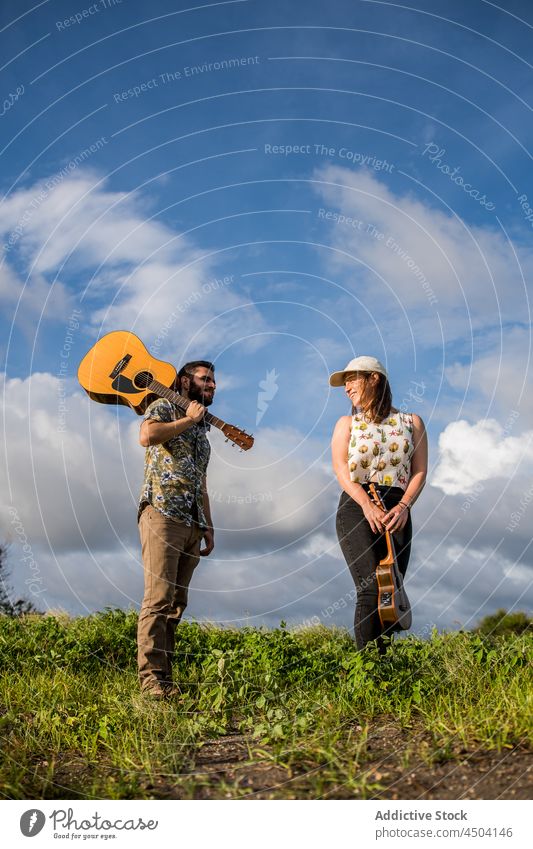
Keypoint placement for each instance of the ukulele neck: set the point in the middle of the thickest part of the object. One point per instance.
(391, 548)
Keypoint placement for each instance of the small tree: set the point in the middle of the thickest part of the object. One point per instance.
(502, 622)
(7, 606)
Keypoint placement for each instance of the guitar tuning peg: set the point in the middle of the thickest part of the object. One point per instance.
(226, 440)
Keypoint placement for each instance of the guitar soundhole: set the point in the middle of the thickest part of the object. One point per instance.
(143, 379)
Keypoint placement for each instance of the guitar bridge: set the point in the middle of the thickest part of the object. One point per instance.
(386, 599)
(120, 366)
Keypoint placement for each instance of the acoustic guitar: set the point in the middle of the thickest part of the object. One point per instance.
(393, 605)
(118, 369)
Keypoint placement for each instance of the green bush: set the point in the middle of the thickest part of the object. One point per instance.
(502, 622)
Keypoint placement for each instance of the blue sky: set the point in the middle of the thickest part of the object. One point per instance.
(276, 187)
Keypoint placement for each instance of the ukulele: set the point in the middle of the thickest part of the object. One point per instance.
(119, 370)
(393, 605)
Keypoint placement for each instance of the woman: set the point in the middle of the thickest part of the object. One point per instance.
(377, 443)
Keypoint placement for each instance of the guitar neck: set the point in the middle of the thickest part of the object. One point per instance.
(181, 402)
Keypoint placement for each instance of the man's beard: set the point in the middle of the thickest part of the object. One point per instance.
(196, 393)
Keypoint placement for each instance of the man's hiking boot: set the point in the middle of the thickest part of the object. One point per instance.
(161, 691)
(156, 691)
(171, 691)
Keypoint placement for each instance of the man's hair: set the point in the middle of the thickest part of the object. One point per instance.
(190, 368)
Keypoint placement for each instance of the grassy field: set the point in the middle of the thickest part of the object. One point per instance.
(263, 714)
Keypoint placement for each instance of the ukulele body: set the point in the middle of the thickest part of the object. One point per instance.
(394, 608)
(393, 605)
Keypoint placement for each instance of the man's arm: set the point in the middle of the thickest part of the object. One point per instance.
(154, 432)
(209, 534)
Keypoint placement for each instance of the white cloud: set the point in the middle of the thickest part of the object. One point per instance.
(144, 270)
(273, 496)
(457, 585)
(10, 285)
(79, 215)
(469, 454)
(417, 253)
(33, 298)
(500, 374)
(75, 483)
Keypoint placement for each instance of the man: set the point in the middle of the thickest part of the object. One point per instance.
(174, 516)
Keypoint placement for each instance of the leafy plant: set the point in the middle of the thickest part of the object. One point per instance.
(74, 723)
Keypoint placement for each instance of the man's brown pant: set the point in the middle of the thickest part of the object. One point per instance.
(170, 551)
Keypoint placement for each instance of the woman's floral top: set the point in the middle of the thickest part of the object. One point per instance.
(381, 452)
(174, 470)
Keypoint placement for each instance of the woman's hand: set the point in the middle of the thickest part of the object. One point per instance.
(396, 518)
(375, 517)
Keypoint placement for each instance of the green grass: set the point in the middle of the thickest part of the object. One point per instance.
(74, 724)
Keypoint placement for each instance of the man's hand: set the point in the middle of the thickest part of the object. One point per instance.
(195, 411)
(208, 537)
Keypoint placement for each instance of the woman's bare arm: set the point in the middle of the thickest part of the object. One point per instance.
(339, 452)
(419, 462)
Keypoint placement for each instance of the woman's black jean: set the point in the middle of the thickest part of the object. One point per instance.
(362, 550)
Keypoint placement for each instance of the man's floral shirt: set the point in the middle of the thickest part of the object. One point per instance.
(174, 470)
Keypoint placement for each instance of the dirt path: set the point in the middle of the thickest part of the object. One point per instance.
(223, 768)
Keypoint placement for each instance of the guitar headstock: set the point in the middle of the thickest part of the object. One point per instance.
(239, 437)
